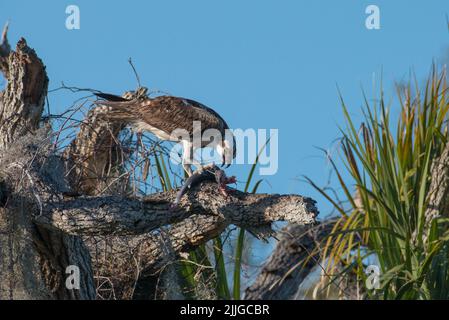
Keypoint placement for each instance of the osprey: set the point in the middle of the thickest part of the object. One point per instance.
(164, 115)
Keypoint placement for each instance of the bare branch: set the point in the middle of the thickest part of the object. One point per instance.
(5, 49)
(295, 256)
(93, 154)
(119, 215)
(438, 194)
(24, 96)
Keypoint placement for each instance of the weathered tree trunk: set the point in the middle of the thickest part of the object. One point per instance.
(295, 255)
(51, 203)
(33, 260)
(438, 194)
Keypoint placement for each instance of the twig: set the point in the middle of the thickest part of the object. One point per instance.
(135, 72)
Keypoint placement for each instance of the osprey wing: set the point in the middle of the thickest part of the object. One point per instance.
(163, 115)
(170, 113)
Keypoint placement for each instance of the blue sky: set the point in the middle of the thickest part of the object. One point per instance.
(260, 64)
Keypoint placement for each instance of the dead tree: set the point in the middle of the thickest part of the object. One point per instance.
(294, 257)
(52, 203)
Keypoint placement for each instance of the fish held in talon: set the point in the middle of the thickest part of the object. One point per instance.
(211, 174)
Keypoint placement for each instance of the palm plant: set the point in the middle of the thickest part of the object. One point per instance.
(384, 214)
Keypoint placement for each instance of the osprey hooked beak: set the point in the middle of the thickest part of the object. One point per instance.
(223, 162)
(227, 152)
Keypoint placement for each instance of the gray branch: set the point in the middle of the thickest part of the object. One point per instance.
(438, 193)
(295, 255)
(116, 215)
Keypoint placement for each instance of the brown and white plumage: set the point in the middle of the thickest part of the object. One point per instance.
(164, 114)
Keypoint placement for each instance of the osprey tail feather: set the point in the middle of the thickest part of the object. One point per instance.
(116, 108)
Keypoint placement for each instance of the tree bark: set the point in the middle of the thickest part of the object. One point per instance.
(295, 255)
(33, 260)
(108, 215)
(438, 194)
